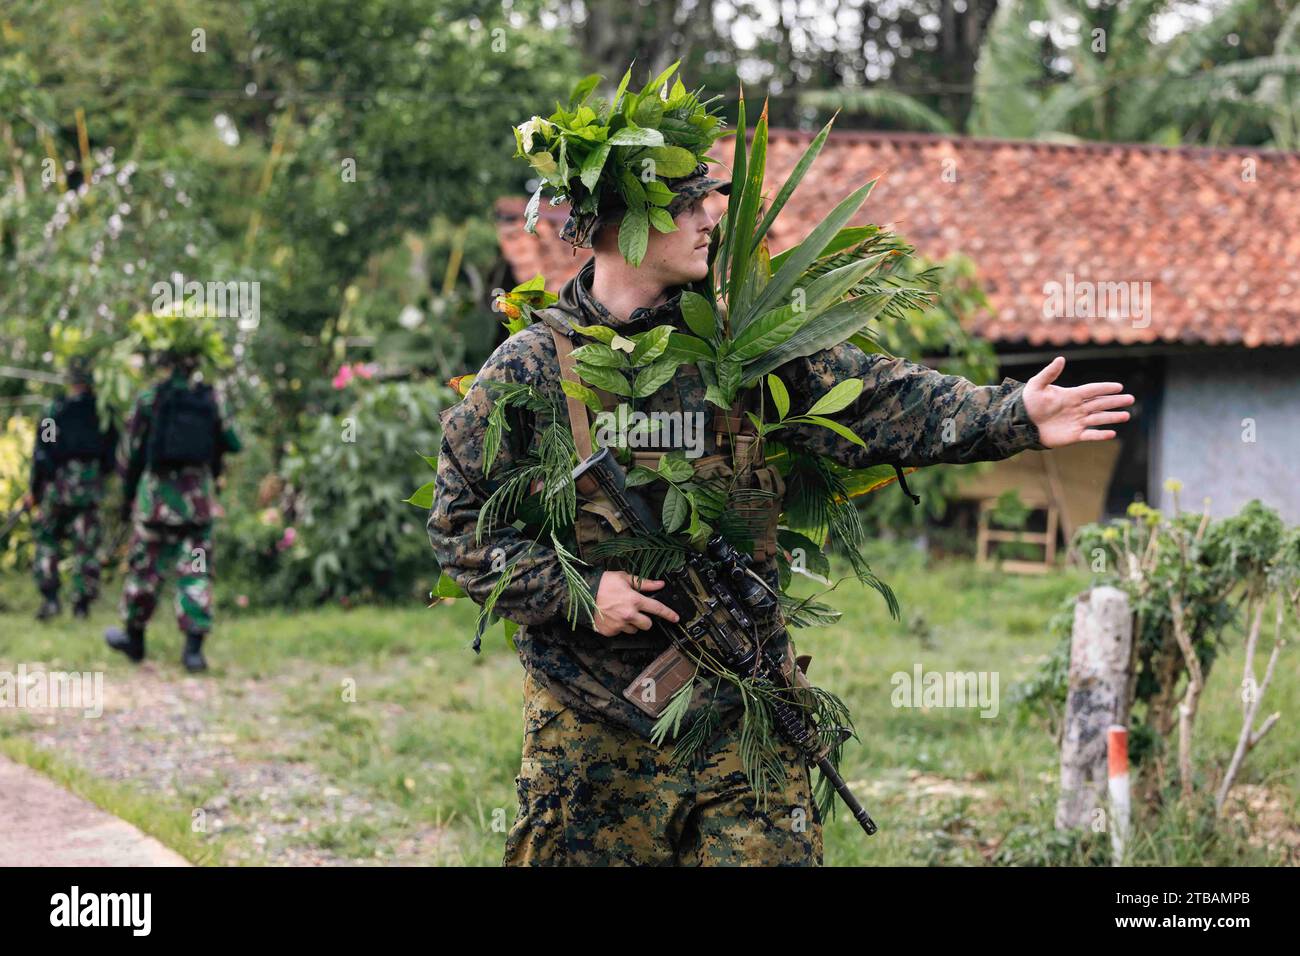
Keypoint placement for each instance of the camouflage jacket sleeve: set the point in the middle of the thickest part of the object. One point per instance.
(536, 591)
(907, 414)
(42, 458)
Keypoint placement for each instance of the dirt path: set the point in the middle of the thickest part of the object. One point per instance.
(45, 825)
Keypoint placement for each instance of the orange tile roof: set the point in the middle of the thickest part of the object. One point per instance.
(1216, 232)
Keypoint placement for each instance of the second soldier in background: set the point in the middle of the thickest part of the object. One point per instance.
(177, 435)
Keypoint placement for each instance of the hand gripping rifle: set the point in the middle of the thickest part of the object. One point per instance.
(719, 600)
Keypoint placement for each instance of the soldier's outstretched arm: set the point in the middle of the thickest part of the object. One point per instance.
(536, 591)
(908, 414)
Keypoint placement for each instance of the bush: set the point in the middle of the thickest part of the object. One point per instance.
(354, 538)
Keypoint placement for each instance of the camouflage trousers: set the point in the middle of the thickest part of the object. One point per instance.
(81, 527)
(593, 794)
(184, 549)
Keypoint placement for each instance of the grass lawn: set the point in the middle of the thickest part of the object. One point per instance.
(376, 735)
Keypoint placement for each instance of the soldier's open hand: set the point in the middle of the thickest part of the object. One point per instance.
(1068, 415)
(622, 608)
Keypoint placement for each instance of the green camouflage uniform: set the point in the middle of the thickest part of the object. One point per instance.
(581, 767)
(68, 495)
(172, 516)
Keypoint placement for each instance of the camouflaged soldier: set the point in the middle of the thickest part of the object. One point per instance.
(71, 462)
(176, 438)
(592, 788)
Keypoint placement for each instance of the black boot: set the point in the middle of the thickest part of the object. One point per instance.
(49, 608)
(130, 641)
(192, 658)
(81, 609)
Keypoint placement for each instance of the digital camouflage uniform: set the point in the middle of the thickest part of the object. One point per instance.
(591, 787)
(172, 516)
(68, 495)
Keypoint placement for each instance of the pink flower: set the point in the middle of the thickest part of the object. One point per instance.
(242, 600)
(347, 373)
(287, 539)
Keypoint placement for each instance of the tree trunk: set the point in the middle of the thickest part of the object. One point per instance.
(1100, 663)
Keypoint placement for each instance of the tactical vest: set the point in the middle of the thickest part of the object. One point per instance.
(740, 454)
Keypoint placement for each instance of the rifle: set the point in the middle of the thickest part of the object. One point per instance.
(719, 601)
(12, 522)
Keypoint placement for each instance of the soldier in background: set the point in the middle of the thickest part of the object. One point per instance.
(72, 459)
(178, 433)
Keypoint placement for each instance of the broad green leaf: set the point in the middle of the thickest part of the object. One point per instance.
(729, 375)
(660, 219)
(593, 164)
(448, 588)
(672, 161)
(636, 136)
(688, 348)
(649, 112)
(601, 333)
(699, 315)
(676, 510)
(651, 378)
(633, 192)
(423, 497)
(639, 476)
(780, 397)
(659, 194)
(715, 395)
(767, 333)
(599, 354)
(633, 236)
(651, 344)
(533, 210)
(804, 549)
(582, 393)
(609, 379)
(675, 467)
(837, 428)
(837, 399)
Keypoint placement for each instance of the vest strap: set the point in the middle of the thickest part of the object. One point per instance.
(578, 422)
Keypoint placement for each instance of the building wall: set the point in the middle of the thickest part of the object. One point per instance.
(1201, 439)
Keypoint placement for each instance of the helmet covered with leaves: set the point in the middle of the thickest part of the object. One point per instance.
(181, 335)
(637, 160)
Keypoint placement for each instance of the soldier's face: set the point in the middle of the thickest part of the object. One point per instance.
(683, 256)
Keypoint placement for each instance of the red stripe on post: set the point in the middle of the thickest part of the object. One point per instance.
(1117, 751)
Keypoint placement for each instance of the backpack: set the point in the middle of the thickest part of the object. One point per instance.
(184, 430)
(76, 430)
